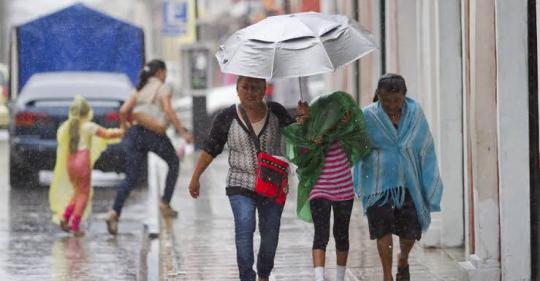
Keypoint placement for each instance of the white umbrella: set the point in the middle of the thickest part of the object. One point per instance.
(294, 45)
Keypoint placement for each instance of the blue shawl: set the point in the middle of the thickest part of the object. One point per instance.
(401, 158)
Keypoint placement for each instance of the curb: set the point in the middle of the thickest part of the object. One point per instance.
(148, 258)
(151, 247)
(163, 257)
(167, 257)
(154, 179)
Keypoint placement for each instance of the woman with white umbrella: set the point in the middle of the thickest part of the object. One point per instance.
(231, 128)
(289, 46)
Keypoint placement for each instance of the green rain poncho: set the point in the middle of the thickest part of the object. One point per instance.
(324, 122)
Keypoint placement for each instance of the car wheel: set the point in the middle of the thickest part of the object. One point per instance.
(20, 176)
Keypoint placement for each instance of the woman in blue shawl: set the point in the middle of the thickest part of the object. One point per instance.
(398, 182)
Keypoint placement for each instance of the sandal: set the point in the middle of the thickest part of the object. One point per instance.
(78, 233)
(167, 211)
(112, 222)
(403, 274)
(65, 226)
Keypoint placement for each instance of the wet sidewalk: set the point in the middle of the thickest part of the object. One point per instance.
(36, 249)
(199, 244)
(33, 248)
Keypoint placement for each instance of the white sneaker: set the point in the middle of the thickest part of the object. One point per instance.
(319, 273)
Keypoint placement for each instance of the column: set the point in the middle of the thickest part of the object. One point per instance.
(480, 129)
(449, 89)
(513, 119)
(370, 65)
(426, 94)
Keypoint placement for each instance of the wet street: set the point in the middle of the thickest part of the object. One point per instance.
(33, 248)
(202, 240)
(198, 245)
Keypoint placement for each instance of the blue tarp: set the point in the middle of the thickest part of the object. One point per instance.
(78, 38)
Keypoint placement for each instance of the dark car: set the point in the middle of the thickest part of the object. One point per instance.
(43, 105)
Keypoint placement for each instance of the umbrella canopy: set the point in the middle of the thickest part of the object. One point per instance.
(294, 45)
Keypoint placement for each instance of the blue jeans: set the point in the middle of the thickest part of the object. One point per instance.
(243, 208)
(137, 142)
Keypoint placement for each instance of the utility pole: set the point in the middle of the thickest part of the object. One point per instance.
(383, 36)
(196, 7)
(200, 115)
(356, 65)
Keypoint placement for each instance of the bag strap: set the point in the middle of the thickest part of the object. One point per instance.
(252, 134)
(156, 93)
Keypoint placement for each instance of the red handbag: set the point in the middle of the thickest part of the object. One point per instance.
(272, 178)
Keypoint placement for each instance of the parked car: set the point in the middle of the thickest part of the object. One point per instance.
(43, 105)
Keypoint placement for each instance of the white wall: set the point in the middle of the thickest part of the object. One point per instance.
(483, 130)
(497, 130)
(426, 94)
(423, 45)
(407, 43)
(481, 137)
(513, 140)
(370, 65)
(449, 110)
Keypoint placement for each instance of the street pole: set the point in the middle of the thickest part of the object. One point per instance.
(356, 65)
(382, 46)
(196, 7)
(199, 113)
(534, 152)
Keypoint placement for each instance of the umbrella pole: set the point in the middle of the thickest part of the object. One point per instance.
(300, 84)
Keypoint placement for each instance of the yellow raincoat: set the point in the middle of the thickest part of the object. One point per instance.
(61, 188)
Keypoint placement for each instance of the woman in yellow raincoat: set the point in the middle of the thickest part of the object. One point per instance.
(80, 143)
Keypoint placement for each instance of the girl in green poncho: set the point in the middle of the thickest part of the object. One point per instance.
(328, 139)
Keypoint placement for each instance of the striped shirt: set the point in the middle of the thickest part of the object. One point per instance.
(335, 182)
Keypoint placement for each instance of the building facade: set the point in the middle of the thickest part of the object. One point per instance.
(471, 66)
